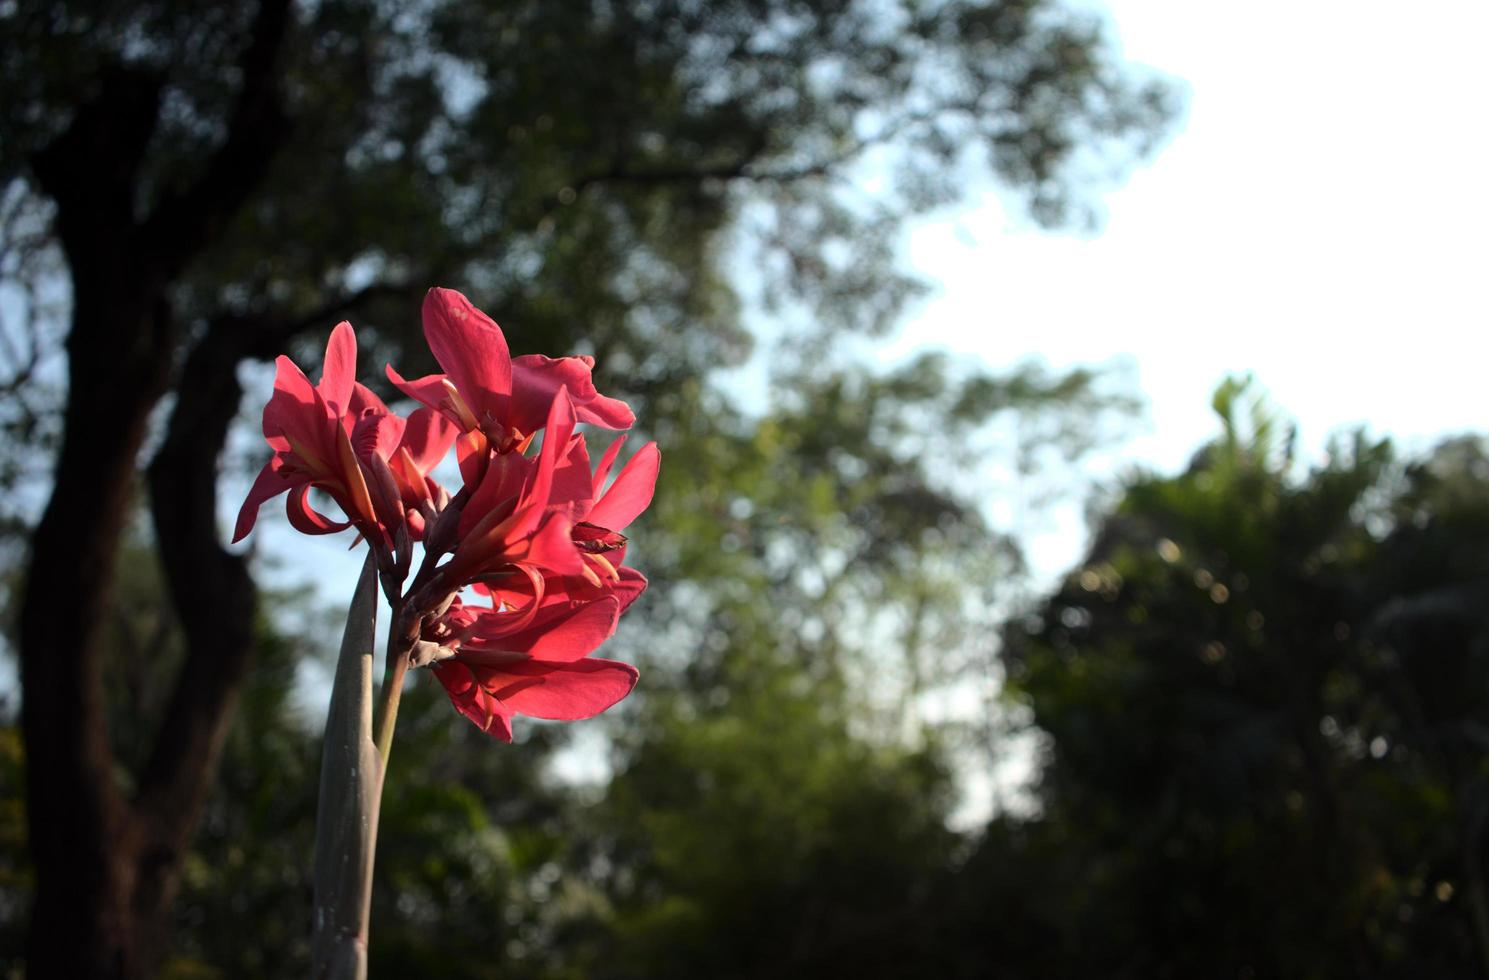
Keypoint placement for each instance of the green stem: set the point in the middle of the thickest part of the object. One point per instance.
(354, 762)
(400, 643)
(346, 815)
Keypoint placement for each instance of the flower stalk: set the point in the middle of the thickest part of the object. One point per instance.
(350, 788)
(400, 646)
(534, 534)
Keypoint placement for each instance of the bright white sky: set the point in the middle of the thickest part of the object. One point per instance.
(1320, 220)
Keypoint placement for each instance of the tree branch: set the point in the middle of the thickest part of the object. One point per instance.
(215, 600)
(747, 167)
(182, 224)
(91, 170)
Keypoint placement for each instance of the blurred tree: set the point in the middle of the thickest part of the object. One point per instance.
(1264, 700)
(1263, 695)
(221, 178)
(769, 814)
(780, 804)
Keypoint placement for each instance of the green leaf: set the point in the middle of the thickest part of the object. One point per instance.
(351, 785)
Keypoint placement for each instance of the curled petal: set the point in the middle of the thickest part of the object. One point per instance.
(503, 588)
(632, 583)
(480, 706)
(377, 435)
(536, 380)
(535, 579)
(413, 487)
(307, 520)
(472, 452)
(570, 635)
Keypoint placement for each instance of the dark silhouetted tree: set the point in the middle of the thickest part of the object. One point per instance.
(1264, 696)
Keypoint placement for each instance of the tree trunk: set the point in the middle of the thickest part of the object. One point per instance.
(84, 838)
(107, 861)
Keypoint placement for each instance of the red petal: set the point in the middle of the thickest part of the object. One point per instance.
(488, 714)
(631, 492)
(412, 487)
(500, 486)
(603, 470)
(539, 492)
(339, 370)
(508, 593)
(429, 389)
(473, 453)
(387, 500)
(294, 409)
(536, 380)
(268, 485)
(305, 519)
(571, 635)
(349, 474)
(427, 437)
(552, 549)
(470, 347)
(363, 400)
(377, 435)
(632, 583)
(571, 480)
(558, 691)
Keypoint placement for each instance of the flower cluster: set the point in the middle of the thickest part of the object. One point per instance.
(534, 535)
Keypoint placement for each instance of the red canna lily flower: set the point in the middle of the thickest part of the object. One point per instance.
(557, 691)
(485, 391)
(599, 515)
(389, 449)
(597, 527)
(539, 535)
(505, 662)
(339, 436)
(310, 430)
(518, 521)
(528, 652)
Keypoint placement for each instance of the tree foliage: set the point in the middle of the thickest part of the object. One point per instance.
(587, 169)
(1261, 695)
(767, 809)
